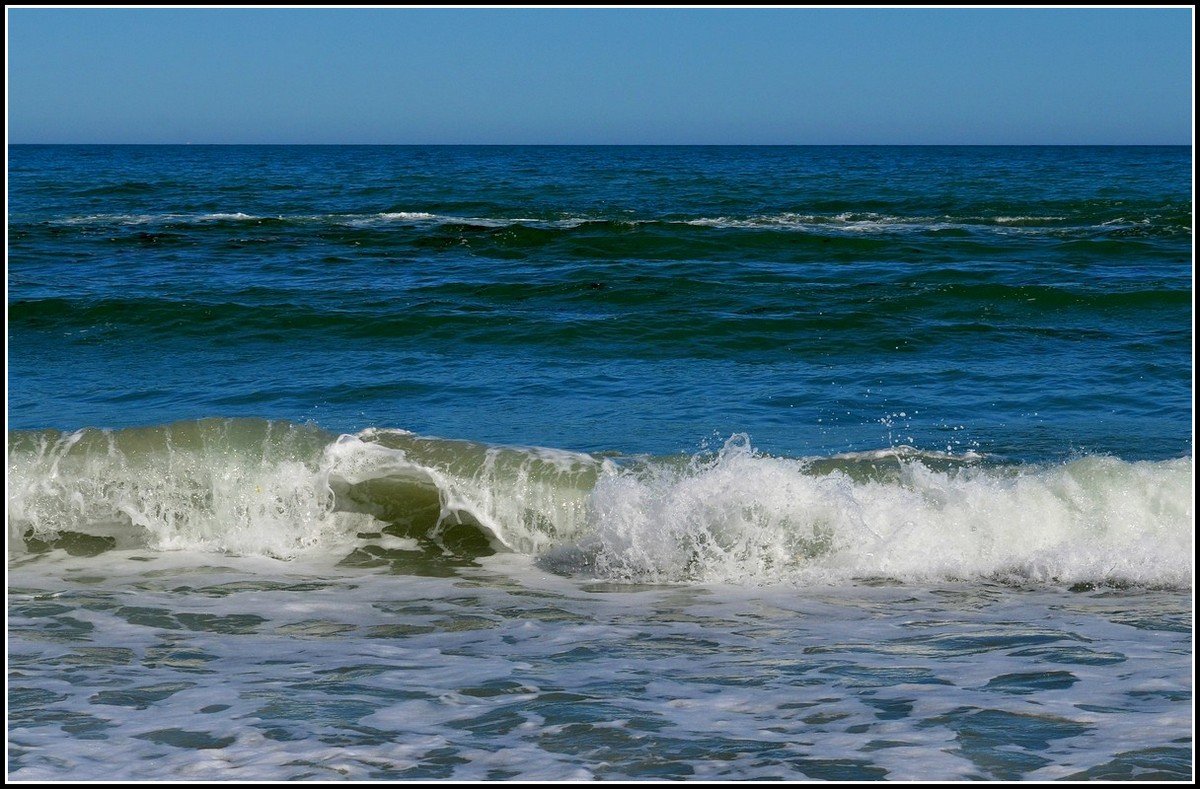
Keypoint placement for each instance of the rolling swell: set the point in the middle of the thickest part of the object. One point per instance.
(844, 232)
(734, 515)
(912, 299)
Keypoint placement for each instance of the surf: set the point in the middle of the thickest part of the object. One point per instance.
(729, 515)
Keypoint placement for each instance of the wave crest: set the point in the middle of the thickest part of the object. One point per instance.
(733, 516)
(741, 516)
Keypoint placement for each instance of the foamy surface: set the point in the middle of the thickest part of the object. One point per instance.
(154, 666)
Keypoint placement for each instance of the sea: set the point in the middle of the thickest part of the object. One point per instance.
(586, 463)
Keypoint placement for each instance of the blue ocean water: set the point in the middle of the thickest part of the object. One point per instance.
(614, 462)
(1030, 302)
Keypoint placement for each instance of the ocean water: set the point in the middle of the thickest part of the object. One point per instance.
(602, 462)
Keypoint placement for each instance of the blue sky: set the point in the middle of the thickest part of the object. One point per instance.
(579, 76)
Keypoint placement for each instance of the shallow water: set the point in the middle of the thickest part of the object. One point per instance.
(252, 669)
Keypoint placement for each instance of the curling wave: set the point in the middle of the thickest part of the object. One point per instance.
(735, 515)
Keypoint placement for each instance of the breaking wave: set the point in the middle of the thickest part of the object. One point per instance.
(731, 516)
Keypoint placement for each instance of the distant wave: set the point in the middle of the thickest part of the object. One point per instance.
(851, 222)
(257, 310)
(733, 516)
(145, 219)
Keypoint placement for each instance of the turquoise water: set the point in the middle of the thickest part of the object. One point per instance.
(421, 462)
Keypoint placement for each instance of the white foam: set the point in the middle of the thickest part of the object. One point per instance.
(144, 219)
(1012, 220)
(845, 222)
(857, 222)
(407, 216)
(478, 221)
(123, 219)
(736, 516)
(212, 497)
(294, 671)
(742, 517)
(218, 217)
(872, 222)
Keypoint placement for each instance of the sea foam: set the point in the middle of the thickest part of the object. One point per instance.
(731, 516)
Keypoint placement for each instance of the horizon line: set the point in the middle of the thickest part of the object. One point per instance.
(637, 144)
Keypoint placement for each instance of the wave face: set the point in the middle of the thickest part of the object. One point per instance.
(734, 515)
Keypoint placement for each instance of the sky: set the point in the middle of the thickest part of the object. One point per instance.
(600, 76)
